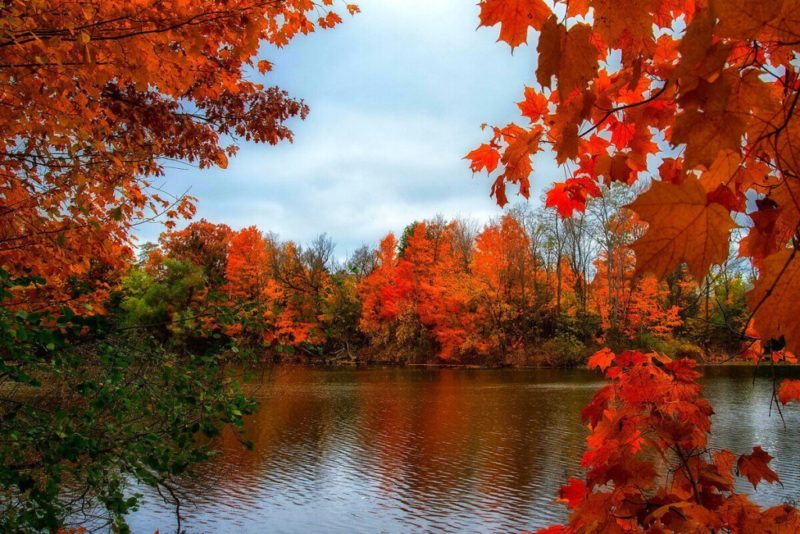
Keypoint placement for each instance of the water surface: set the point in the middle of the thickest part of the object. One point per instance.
(410, 450)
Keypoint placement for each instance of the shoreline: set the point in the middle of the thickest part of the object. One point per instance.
(474, 367)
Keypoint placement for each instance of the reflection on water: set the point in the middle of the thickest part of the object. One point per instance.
(399, 450)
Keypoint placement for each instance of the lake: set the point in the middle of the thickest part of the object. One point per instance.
(434, 450)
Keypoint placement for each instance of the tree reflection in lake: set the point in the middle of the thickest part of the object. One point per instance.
(408, 449)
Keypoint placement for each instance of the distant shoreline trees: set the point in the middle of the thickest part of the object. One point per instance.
(529, 288)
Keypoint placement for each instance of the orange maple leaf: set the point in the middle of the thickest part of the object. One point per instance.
(789, 391)
(602, 359)
(754, 467)
(484, 157)
(514, 17)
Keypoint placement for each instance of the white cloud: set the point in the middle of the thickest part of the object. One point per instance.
(397, 95)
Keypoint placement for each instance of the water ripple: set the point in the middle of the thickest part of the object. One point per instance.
(392, 450)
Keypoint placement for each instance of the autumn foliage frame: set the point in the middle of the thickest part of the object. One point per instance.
(699, 97)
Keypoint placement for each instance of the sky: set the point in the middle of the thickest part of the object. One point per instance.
(397, 96)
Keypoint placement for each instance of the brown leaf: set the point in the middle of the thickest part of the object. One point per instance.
(549, 50)
(706, 135)
(775, 294)
(578, 61)
(745, 19)
(683, 227)
(631, 32)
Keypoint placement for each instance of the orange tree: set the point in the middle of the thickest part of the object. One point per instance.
(502, 267)
(417, 299)
(699, 98)
(95, 98)
(98, 96)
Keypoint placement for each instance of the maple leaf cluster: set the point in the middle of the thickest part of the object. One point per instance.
(648, 464)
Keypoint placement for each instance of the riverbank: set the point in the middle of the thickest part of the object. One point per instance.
(533, 362)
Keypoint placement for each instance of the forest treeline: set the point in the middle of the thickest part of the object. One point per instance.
(529, 288)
